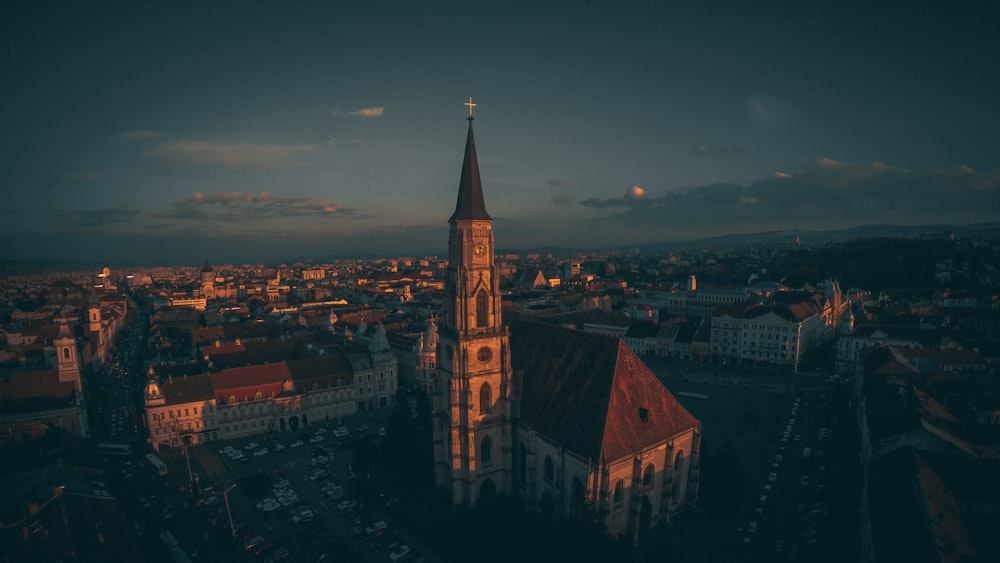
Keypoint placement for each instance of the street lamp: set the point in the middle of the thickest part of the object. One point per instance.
(225, 496)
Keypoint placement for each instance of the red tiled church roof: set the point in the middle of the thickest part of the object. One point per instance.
(244, 383)
(591, 393)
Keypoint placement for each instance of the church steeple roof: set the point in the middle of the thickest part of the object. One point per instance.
(206, 267)
(471, 205)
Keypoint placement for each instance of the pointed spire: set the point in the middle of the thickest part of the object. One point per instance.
(471, 205)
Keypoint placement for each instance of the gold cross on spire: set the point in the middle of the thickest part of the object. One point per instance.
(471, 105)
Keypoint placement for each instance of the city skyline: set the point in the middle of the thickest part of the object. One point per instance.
(268, 131)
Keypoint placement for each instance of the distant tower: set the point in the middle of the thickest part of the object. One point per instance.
(427, 357)
(67, 358)
(153, 396)
(472, 403)
(207, 281)
(94, 314)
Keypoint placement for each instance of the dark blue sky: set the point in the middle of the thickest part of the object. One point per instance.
(168, 131)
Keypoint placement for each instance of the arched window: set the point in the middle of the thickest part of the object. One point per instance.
(482, 308)
(647, 476)
(485, 398)
(65, 353)
(486, 450)
(619, 492)
(550, 472)
(679, 463)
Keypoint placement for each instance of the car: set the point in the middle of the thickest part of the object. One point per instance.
(399, 553)
(297, 443)
(316, 474)
(251, 446)
(268, 505)
(341, 432)
(253, 542)
(226, 450)
(779, 458)
(321, 430)
(260, 452)
(804, 481)
(362, 428)
(772, 477)
(347, 505)
(376, 527)
(381, 431)
(276, 447)
(316, 439)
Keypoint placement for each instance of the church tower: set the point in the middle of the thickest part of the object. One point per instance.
(67, 359)
(207, 281)
(472, 403)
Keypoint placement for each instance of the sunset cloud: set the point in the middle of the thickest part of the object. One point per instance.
(204, 155)
(237, 206)
(634, 196)
(826, 192)
(368, 112)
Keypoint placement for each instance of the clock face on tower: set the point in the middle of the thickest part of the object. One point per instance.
(485, 354)
(479, 251)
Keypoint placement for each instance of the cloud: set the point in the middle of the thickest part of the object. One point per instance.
(558, 182)
(204, 155)
(237, 206)
(634, 197)
(824, 194)
(137, 135)
(562, 199)
(93, 218)
(368, 112)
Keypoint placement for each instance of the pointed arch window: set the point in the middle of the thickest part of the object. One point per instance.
(486, 451)
(647, 476)
(485, 398)
(619, 492)
(482, 308)
(65, 353)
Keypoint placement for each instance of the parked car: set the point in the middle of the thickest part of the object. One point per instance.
(399, 553)
(253, 542)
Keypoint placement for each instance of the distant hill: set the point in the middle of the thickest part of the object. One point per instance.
(843, 235)
(805, 237)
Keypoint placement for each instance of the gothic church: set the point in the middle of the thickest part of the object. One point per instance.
(572, 423)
